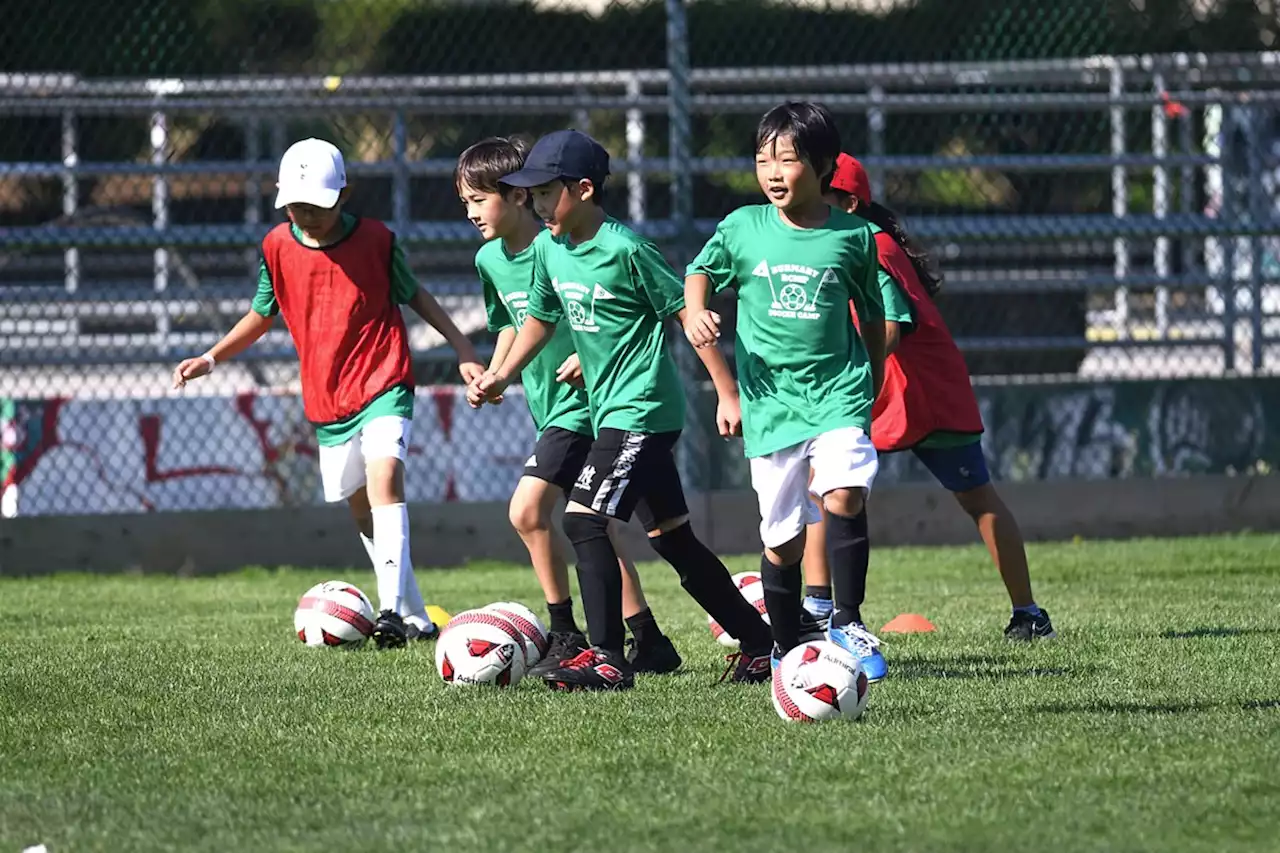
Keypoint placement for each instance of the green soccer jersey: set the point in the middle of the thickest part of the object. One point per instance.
(507, 280)
(615, 291)
(397, 401)
(802, 368)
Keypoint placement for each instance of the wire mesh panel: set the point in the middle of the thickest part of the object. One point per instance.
(1103, 208)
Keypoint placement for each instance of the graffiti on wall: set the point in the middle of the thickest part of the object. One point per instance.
(67, 456)
(1104, 431)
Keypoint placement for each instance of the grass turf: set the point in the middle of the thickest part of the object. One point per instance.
(146, 713)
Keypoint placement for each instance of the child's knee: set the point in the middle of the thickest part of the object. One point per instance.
(526, 516)
(384, 480)
(846, 502)
(981, 501)
(788, 553)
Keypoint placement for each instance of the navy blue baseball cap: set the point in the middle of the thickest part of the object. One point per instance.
(562, 154)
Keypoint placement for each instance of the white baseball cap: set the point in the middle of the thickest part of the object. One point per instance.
(311, 172)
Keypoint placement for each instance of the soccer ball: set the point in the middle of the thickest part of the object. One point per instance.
(529, 626)
(819, 681)
(480, 647)
(752, 589)
(334, 613)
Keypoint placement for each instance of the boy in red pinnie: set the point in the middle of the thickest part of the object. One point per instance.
(339, 281)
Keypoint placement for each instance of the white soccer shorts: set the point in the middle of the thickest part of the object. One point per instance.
(841, 459)
(342, 466)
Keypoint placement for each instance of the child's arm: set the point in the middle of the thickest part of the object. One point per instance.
(533, 336)
(728, 406)
(251, 327)
(426, 307)
(701, 325)
(542, 314)
(892, 336)
(874, 338)
(897, 308)
(405, 290)
(570, 371)
(501, 347)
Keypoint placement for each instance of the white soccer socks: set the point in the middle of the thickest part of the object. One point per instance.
(389, 551)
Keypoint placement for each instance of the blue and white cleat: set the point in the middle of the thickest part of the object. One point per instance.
(862, 644)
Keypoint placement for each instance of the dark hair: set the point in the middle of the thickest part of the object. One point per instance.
(485, 164)
(813, 132)
(887, 221)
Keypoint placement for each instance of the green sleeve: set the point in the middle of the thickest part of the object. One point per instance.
(544, 303)
(496, 313)
(264, 301)
(714, 261)
(866, 282)
(403, 285)
(897, 308)
(657, 279)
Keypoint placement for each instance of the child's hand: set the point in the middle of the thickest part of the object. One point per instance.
(702, 329)
(729, 416)
(570, 371)
(478, 394)
(192, 368)
(486, 389)
(470, 371)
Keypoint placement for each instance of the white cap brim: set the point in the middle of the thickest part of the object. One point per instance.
(317, 196)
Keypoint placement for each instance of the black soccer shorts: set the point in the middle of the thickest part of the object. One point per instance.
(632, 472)
(558, 457)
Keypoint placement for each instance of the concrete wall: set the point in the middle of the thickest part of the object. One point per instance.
(452, 533)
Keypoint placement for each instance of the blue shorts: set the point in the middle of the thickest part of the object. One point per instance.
(958, 469)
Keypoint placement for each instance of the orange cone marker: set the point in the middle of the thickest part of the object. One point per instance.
(908, 623)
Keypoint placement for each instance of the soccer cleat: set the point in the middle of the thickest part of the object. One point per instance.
(656, 658)
(748, 669)
(1023, 627)
(820, 609)
(388, 631)
(862, 644)
(775, 658)
(561, 646)
(593, 669)
(413, 632)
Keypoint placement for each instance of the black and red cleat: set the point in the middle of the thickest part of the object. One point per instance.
(748, 669)
(562, 645)
(594, 669)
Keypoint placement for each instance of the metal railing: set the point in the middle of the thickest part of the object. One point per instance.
(1208, 88)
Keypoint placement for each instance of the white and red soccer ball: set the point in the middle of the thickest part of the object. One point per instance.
(335, 614)
(530, 627)
(481, 647)
(752, 589)
(819, 681)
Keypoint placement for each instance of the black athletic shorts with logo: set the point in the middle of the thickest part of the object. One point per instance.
(632, 472)
(558, 457)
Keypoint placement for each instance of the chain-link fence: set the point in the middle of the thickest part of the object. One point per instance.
(1104, 208)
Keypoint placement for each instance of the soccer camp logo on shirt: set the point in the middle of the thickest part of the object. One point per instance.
(795, 288)
(579, 302)
(517, 303)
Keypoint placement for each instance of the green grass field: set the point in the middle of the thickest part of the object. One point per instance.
(146, 713)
